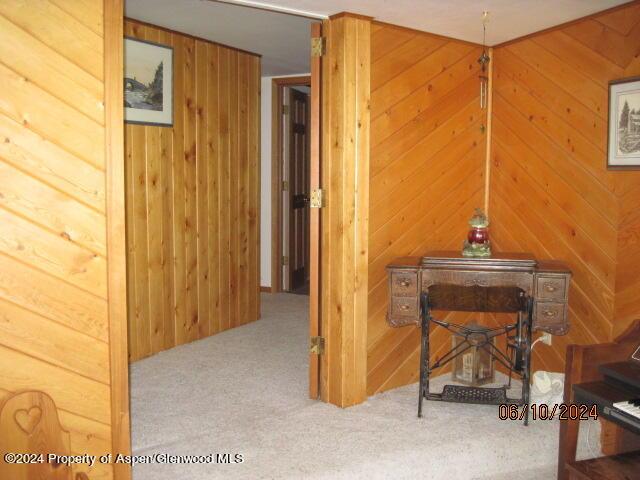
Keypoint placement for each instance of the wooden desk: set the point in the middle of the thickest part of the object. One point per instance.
(544, 280)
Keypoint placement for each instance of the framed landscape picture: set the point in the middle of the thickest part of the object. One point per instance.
(148, 83)
(624, 124)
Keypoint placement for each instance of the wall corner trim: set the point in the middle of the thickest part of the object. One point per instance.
(116, 243)
(346, 119)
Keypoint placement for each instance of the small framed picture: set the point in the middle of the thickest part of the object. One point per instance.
(624, 124)
(148, 83)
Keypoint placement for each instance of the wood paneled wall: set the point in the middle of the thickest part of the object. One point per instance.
(54, 327)
(192, 200)
(345, 168)
(426, 176)
(627, 297)
(550, 191)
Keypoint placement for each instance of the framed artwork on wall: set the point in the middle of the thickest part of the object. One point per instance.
(624, 124)
(148, 83)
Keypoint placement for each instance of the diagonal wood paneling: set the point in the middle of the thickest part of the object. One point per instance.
(550, 191)
(627, 298)
(53, 256)
(426, 175)
(192, 200)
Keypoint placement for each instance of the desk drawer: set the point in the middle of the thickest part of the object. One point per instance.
(403, 311)
(551, 288)
(549, 314)
(404, 283)
(468, 278)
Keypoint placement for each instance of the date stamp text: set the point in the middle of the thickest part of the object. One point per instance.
(542, 411)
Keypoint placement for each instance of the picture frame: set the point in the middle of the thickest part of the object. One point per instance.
(623, 145)
(148, 83)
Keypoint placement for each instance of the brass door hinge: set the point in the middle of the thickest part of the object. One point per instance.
(285, 260)
(317, 46)
(316, 345)
(285, 109)
(315, 199)
(285, 185)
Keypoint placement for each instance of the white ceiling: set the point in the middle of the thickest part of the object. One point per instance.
(462, 19)
(283, 40)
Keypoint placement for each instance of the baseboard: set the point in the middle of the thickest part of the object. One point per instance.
(265, 289)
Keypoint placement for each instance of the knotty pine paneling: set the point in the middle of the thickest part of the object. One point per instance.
(192, 200)
(345, 161)
(426, 175)
(53, 256)
(627, 299)
(550, 191)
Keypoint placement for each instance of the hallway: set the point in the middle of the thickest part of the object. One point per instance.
(245, 391)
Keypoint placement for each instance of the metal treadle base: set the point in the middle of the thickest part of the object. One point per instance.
(461, 394)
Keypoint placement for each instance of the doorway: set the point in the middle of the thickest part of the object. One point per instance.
(186, 198)
(291, 165)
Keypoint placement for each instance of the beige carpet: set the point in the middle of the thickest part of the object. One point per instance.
(245, 392)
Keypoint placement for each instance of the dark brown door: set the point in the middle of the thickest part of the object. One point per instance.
(299, 189)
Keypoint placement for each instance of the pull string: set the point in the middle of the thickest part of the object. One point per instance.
(484, 30)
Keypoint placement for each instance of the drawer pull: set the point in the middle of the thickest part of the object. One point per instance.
(549, 287)
(404, 307)
(404, 283)
(549, 313)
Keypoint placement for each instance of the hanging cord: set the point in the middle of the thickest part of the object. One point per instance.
(484, 58)
(485, 19)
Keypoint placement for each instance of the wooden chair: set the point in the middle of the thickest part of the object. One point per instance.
(29, 424)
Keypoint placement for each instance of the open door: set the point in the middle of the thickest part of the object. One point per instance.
(299, 165)
(314, 218)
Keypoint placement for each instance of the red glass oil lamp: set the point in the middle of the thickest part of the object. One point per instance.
(477, 243)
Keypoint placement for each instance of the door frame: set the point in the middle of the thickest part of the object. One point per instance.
(278, 85)
(113, 11)
(317, 386)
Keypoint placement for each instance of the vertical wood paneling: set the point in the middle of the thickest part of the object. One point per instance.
(178, 226)
(54, 249)
(202, 169)
(243, 187)
(223, 192)
(115, 187)
(167, 234)
(550, 191)
(427, 157)
(190, 189)
(345, 170)
(232, 206)
(213, 148)
(141, 245)
(192, 200)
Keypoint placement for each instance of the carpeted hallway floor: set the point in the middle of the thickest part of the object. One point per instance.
(245, 392)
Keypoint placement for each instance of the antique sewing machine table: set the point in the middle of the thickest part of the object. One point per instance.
(535, 291)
